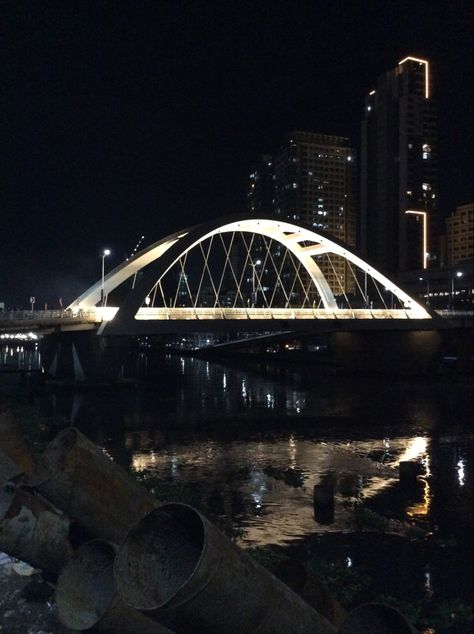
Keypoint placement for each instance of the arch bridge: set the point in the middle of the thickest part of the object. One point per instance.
(252, 273)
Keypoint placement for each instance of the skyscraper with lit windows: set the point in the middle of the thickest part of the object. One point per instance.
(313, 180)
(399, 170)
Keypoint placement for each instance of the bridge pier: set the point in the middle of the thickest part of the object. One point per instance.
(390, 352)
(82, 356)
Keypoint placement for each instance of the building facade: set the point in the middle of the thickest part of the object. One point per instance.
(460, 235)
(260, 189)
(313, 181)
(399, 224)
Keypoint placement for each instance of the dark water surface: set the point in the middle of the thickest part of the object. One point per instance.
(256, 438)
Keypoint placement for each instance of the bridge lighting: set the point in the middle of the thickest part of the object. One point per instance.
(103, 255)
(286, 235)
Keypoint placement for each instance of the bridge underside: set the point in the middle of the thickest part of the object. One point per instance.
(183, 326)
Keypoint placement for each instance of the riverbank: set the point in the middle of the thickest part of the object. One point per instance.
(26, 601)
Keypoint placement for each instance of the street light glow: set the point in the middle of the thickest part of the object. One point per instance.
(104, 253)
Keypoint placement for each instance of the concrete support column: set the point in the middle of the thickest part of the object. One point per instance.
(83, 356)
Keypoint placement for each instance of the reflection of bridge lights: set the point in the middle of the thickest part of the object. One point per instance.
(257, 478)
(257, 498)
(348, 562)
(421, 508)
(428, 584)
(461, 474)
(426, 463)
(415, 449)
(292, 450)
(22, 336)
(224, 381)
(174, 466)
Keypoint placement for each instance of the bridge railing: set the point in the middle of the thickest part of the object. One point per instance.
(201, 313)
(46, 316)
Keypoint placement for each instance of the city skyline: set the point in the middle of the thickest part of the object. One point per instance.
(144, 119)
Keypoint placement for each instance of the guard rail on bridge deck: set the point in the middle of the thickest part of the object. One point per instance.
(47, 320)
(200, 313)
(44, 320)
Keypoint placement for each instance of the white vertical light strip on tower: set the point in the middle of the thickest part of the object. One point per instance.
(427, 71)
(424, 215)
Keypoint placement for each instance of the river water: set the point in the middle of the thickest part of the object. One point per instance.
(257, 437)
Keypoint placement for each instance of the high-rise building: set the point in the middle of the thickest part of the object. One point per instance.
(311, 178)
(399, 170)
(260, 191)
(460, 234)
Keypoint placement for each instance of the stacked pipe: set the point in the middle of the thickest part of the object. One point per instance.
(180, 569)
(50, 511)
(77, 476)
(125, 564)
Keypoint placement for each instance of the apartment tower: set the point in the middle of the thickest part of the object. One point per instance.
(313, 181)
(399, 170)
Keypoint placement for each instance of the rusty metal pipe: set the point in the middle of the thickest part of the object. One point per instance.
(33, 530)
(15, 455)
(8, 468)
(376, 617)
(81, 479)
(86, 596)
(176, 565)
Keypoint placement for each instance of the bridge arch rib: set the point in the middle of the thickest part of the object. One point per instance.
(306, 245)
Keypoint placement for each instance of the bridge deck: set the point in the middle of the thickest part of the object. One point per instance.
(181, 319)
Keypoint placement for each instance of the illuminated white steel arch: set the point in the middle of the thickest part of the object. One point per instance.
(161, 256)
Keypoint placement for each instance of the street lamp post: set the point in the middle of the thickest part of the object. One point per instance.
(427, 302)
(254, 286)
(458, 274)
(103, 256)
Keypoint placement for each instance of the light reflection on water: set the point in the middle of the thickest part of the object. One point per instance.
(275, 512)
(227, 426)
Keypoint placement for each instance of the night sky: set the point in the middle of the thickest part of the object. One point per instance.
(126, 118)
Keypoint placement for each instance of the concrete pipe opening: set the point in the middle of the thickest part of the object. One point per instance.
(86, 587)
(159, 556)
